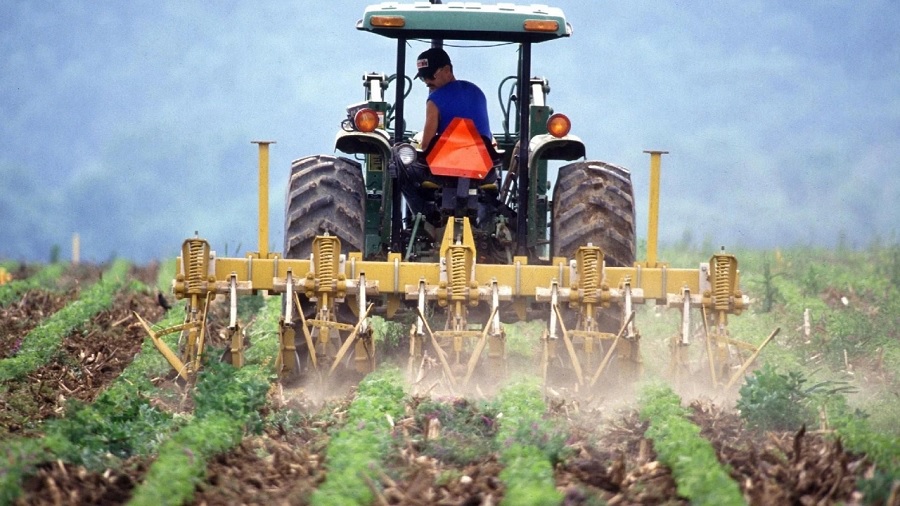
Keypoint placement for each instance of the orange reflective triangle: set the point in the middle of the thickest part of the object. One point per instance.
(460, 152)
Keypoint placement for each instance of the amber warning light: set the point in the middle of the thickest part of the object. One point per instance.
(559, 125)
(541, 25)
(388, 21)
(366, 120)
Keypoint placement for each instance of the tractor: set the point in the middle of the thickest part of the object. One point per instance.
(480, 240)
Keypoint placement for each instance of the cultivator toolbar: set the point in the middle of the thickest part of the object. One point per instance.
(469, 300)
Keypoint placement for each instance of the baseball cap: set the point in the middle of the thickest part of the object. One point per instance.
(430, 60)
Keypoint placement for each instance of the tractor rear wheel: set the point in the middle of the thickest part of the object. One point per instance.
(325, 194)
(593, 202)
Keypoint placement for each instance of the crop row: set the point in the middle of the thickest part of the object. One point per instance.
(120, 423)
(226, 405)
(123, 422)
(529, 446)
(42, 342)
(14, 289)
(677, 441)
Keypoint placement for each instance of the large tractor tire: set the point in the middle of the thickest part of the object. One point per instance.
(325, 194)
(593, 202)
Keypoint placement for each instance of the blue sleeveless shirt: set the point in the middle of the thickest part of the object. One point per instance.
(461, 99)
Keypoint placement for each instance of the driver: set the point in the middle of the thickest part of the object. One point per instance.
(448, 97)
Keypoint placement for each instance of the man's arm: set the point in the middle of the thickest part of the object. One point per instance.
(431, 123)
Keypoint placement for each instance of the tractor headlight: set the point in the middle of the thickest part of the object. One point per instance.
(407, 154)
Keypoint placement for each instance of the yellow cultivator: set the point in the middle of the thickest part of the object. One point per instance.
(577, 291)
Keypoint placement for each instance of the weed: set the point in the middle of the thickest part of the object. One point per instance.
(775, 401)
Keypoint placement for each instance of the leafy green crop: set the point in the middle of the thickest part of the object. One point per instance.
(698, 474)
(465, 428)
(43, 278)
(356, 450)
(120, 423)
(529, 446)
(227, 403)
(43, 342)
(774, 401)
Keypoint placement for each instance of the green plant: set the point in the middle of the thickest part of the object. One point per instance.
(464, 429)
(770, 400)
(699, 476)
(529, 445)
(771, 294)
(227, 403)
(387, 333)
(857, 435)
(43, 278)
(356, 449)
(43, 342)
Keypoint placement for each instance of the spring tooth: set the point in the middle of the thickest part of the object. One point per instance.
(722, 287)
(195, 272)
(325, 267)
(590, 277)
(457, 273)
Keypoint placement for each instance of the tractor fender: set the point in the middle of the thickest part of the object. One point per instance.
(548, 147)
(366, 143)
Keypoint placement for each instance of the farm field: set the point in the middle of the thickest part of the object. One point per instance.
(90, 413)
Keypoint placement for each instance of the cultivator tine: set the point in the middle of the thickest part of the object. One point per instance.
(711, 357)
(740, 373)
(287, 357)
(545, 357)
(416, 335)
(570, 348)
(442, 356)
(350, 340)
(286, 350)
(612, 349)
(479, 347)
(310, 344)
(166, 352)
(236, 350)
(679, 364)
(200, 335)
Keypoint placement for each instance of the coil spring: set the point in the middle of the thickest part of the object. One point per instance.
(722, 287)
(195, 275)
(457, 273)
(325, 267)
(590, 277)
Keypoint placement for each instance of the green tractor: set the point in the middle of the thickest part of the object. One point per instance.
(363, 199)
(505, 208)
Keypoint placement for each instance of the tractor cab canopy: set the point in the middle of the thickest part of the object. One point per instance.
(502, 22)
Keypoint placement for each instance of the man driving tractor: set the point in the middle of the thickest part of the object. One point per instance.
(448, 97)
